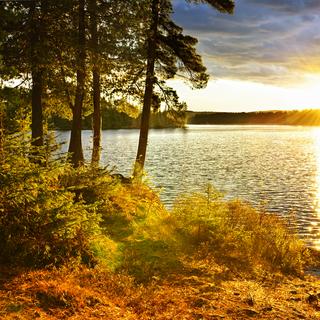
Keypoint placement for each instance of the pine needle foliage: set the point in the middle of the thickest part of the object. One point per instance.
(40, 221)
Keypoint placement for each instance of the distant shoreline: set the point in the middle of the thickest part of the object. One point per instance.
(122, 121)
(303, 118)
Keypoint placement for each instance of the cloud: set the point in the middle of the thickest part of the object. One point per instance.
(266, 41)
(289, 6)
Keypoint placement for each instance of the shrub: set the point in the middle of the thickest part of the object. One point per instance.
(238, 235)
(40, 221)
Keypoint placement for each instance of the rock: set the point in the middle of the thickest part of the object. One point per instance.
(121, 178)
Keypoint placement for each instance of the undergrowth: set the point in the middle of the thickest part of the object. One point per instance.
(237, 235)
(52, 214)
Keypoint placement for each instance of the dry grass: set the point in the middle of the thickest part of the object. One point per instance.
(239, 236)
(201, 292)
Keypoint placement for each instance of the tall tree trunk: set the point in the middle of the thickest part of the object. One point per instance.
(37, 77)
(147, 99)
(75, 146)
(1, 131)
(95, 85)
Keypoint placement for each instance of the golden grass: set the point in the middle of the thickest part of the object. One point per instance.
(204, 292)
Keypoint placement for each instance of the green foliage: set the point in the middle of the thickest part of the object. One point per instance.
(40, 221)
(204, 217)
(106, 252)
(16, 110)
(112, 118)
(229, 233)
(238, 235)
(146, 259)
(52, 213)
(136, 228)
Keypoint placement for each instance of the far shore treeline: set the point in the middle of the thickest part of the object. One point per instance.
(310, 117)
(114, 119)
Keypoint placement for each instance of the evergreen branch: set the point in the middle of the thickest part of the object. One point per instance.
(164, 94)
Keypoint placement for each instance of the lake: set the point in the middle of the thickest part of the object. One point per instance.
(277, 167)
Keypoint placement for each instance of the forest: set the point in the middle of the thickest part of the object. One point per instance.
(308, 117)
(81, 242)
(69, 59)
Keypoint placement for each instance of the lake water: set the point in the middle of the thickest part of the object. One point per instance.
(277, 166)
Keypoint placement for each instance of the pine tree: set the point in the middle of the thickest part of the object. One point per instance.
(28, 54)
(24, 51)
(96, 87)
(75, 145)
(169, 52)
(36, 18)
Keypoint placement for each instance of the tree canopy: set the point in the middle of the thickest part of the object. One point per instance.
(62, 59)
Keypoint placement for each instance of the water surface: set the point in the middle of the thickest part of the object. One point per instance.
(277, 166)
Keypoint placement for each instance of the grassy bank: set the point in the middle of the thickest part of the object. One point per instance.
(80, 243)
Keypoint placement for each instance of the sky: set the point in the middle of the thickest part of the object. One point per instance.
(266, 56)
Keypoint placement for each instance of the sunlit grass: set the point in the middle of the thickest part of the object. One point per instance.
(239, 236)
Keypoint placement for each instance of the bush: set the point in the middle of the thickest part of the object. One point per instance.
(40, 221)
(238, 235)
(134, 221)
(151, 250)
